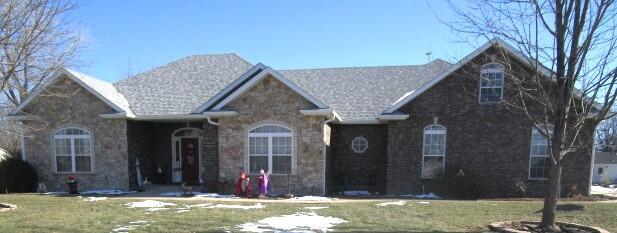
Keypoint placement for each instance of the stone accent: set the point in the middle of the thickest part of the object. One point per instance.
(65, 104)
(490, 141)
(270, 101)
(348, 170)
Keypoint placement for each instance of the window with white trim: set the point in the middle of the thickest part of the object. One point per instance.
(359, 144)
(491, 83)
(539, 156)
(270, 149)
(72, 150)
(434, 151)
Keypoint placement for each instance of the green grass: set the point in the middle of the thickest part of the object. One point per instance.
(70, 214)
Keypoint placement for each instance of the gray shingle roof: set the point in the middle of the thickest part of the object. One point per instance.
(355, 93)
(605, 158)
(181, 86)
(362, 93)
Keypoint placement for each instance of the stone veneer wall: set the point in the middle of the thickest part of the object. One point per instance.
(270, 101)
(490, 141)
(66, 104)
(348, 170)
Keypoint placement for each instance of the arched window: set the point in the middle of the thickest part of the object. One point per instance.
(270, 149)
(72, 150)
(434, 151)
(539, 157)
(359, 144)
(491, 83)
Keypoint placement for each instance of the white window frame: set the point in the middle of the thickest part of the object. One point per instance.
(531, 155)
(484, 71)
(428, 130)
(72, 140)
(270, 135)
(362, 141)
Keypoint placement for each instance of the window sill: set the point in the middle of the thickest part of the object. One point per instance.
(73, 173)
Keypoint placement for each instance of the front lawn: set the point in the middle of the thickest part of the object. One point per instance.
(72, 214)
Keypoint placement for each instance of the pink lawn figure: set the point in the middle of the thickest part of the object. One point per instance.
(263, 183)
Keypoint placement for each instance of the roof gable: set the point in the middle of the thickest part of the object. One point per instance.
(104, 91)
(412, 94)
(246, 82)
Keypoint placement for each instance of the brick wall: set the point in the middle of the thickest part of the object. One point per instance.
(488, 140)
(348, 170)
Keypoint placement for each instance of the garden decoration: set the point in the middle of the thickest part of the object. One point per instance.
(73, 184)
(263, 183)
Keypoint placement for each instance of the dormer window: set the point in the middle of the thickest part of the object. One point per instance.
(491, 83)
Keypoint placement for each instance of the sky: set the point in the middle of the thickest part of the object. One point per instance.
(128, 37)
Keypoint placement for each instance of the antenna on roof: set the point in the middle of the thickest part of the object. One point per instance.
(428, 55)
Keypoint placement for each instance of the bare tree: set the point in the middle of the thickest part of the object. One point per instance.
(606, 136)
(36, 39)
(571, 88)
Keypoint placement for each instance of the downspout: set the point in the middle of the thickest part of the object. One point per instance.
(211, 122)
(593, 157)
(323, 182)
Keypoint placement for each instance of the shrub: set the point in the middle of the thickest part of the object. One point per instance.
(464, 183)
(17, 176)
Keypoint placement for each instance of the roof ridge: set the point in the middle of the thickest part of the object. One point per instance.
(119, 82)
(355, 67)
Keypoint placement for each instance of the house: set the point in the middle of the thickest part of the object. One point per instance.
(202, 119)
(605, 168)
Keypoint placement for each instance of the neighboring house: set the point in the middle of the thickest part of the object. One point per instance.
(201, 119)
(605, 168)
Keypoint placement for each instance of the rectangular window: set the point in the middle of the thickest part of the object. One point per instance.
(539, 158)
(433, 151)
(258, 154)
(491, 87)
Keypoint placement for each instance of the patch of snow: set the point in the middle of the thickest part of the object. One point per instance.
(427, 196)
(313, 198)
(357, 193)
(132, 226)
(95, 199)
(424, 202)
(316, 207)
(198, 205)
(149, 204)
(403, 97)
(198, 194)
(156, 209)
(600, 189)
(55, 193)
(106, 192)
(181, 211)
(391, 203)
(298, 222)
(244, 207)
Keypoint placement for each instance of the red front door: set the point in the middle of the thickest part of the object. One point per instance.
(190, 160)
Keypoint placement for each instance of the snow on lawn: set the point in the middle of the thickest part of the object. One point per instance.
(298, 222)
(149, 204)
(357, 193)
(313, 198)
(600, 189)
(198, 194)
(244, 207)
(106, 192)
(424, 202)
(391, 203)
(316, 207)
(95, 199)
(132, 226)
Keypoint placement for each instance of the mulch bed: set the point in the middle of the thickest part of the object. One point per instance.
(7, 207)
(528, 226)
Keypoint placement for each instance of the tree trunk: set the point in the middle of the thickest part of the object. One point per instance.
(550, 201)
